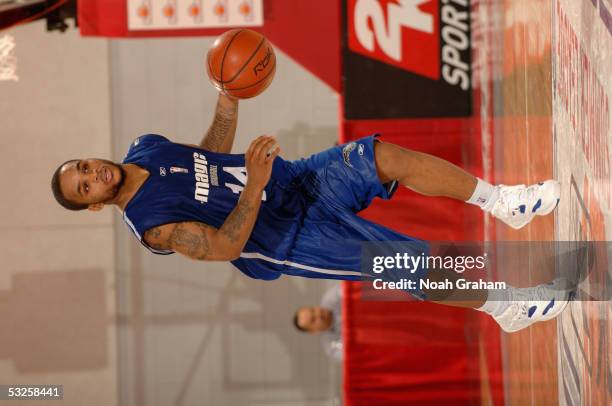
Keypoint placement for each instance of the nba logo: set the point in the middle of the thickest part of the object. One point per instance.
(176, 169)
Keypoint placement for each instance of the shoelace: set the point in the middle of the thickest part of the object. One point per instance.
(518, 304)
(521, 313)
(510, 200)
(520, 300)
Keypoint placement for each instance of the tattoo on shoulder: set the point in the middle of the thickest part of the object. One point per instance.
(154, 232)
(222, 123)
(152, 238)
(234, 222)
(194, 244)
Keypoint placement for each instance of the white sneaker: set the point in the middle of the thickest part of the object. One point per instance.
(518, 205)
(530, 305)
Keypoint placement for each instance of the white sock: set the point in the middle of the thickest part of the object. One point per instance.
(497, 302)
(484, 196)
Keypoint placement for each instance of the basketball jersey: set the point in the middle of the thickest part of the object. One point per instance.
(191, 184)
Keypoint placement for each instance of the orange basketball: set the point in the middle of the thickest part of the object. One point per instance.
(241, 63)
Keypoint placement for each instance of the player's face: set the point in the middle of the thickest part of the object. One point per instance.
(91, 181)
(315, 319)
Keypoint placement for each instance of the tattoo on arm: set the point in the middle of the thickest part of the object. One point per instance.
(151, 237)
(154, 233)
(234, 222)
(225, 119)
(195, 245)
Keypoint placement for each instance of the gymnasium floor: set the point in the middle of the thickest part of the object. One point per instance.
(548, 116)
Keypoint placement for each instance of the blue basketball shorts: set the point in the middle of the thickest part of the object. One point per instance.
(338, 183)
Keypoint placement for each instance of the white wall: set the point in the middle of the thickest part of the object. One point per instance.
(57, 285)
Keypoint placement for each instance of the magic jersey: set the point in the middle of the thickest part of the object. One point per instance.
(190, 184)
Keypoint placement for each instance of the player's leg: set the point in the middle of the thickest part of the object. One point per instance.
(330, 230)
(432, 176)
(469, 298)
(424, 173)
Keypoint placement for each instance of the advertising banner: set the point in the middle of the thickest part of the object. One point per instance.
(406, 59)
(190, 14)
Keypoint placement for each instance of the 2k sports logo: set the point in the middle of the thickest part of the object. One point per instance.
(407, 34)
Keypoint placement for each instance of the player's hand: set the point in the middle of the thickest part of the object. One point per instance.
(259, 157)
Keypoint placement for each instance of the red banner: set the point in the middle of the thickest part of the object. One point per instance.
(402, 34)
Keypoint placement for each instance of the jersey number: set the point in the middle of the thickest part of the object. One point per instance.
(240, 174)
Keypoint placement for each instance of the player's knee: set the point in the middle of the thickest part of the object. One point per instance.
(383, 156)
(392, 161)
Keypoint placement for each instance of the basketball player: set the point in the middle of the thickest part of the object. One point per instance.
(296, 218)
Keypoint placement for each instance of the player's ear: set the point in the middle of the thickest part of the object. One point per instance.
(95, 207)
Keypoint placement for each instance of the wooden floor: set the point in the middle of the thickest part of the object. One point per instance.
(537, 361)
(582, 88)
(524, 154)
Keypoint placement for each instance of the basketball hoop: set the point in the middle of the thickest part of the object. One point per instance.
(8, 61)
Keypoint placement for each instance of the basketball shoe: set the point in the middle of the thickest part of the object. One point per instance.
(530, 305)
(518, 205)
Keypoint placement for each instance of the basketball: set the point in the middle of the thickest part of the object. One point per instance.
(241, 63)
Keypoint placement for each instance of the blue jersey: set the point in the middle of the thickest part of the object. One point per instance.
(307, 224)
(191, 184)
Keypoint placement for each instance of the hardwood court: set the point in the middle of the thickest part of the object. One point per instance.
(523, 154)
(564, 361)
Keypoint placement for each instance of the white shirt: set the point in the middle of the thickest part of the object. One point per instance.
(332, 338)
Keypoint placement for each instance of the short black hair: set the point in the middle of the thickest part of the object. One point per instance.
(296, 323)
(59, 195)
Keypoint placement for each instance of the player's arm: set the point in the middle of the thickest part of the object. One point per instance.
(190, 238)
(202, 242)
(220, 135)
